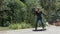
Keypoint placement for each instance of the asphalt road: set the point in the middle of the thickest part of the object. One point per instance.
(50, 30)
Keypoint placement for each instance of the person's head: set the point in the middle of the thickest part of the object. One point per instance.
(37, 9)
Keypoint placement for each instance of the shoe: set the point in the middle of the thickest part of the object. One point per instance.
(34, 30)
(43, 29)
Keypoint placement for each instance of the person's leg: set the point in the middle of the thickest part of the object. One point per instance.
(42, 22)
(36, 25)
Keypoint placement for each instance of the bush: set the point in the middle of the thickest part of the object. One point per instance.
(20, 26)
(14, 26)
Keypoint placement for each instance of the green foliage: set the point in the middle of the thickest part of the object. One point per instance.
(20, 26)
(12, 11)
(17, 11)
(50, 8)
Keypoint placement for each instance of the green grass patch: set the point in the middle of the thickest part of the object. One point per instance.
(4, 28)
(20, 26)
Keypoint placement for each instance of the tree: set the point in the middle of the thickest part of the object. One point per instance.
(13, 12)
(49, 7)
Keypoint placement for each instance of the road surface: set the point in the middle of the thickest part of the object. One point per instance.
(50, 30)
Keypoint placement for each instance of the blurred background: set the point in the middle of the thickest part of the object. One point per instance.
(18, 14)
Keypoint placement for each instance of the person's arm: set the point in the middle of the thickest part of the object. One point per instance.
(46, 16)
(43, 13)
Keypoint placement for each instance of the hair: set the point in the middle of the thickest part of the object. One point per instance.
(38, 8)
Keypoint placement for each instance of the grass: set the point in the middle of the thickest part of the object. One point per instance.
(20, 26)
(17, 26)
(4, 28)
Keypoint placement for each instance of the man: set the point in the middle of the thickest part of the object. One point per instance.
(39, 13)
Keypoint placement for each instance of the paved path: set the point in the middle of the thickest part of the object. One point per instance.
(50, 30)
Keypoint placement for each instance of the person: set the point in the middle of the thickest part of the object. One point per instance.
(39, 13)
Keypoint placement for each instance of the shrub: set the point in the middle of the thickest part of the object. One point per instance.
(20, 26)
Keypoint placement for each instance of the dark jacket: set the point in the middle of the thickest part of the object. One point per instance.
(39, 14)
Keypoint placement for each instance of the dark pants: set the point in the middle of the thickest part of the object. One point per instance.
(42, 22)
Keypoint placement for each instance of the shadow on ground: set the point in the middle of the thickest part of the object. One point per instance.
(40, 30)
